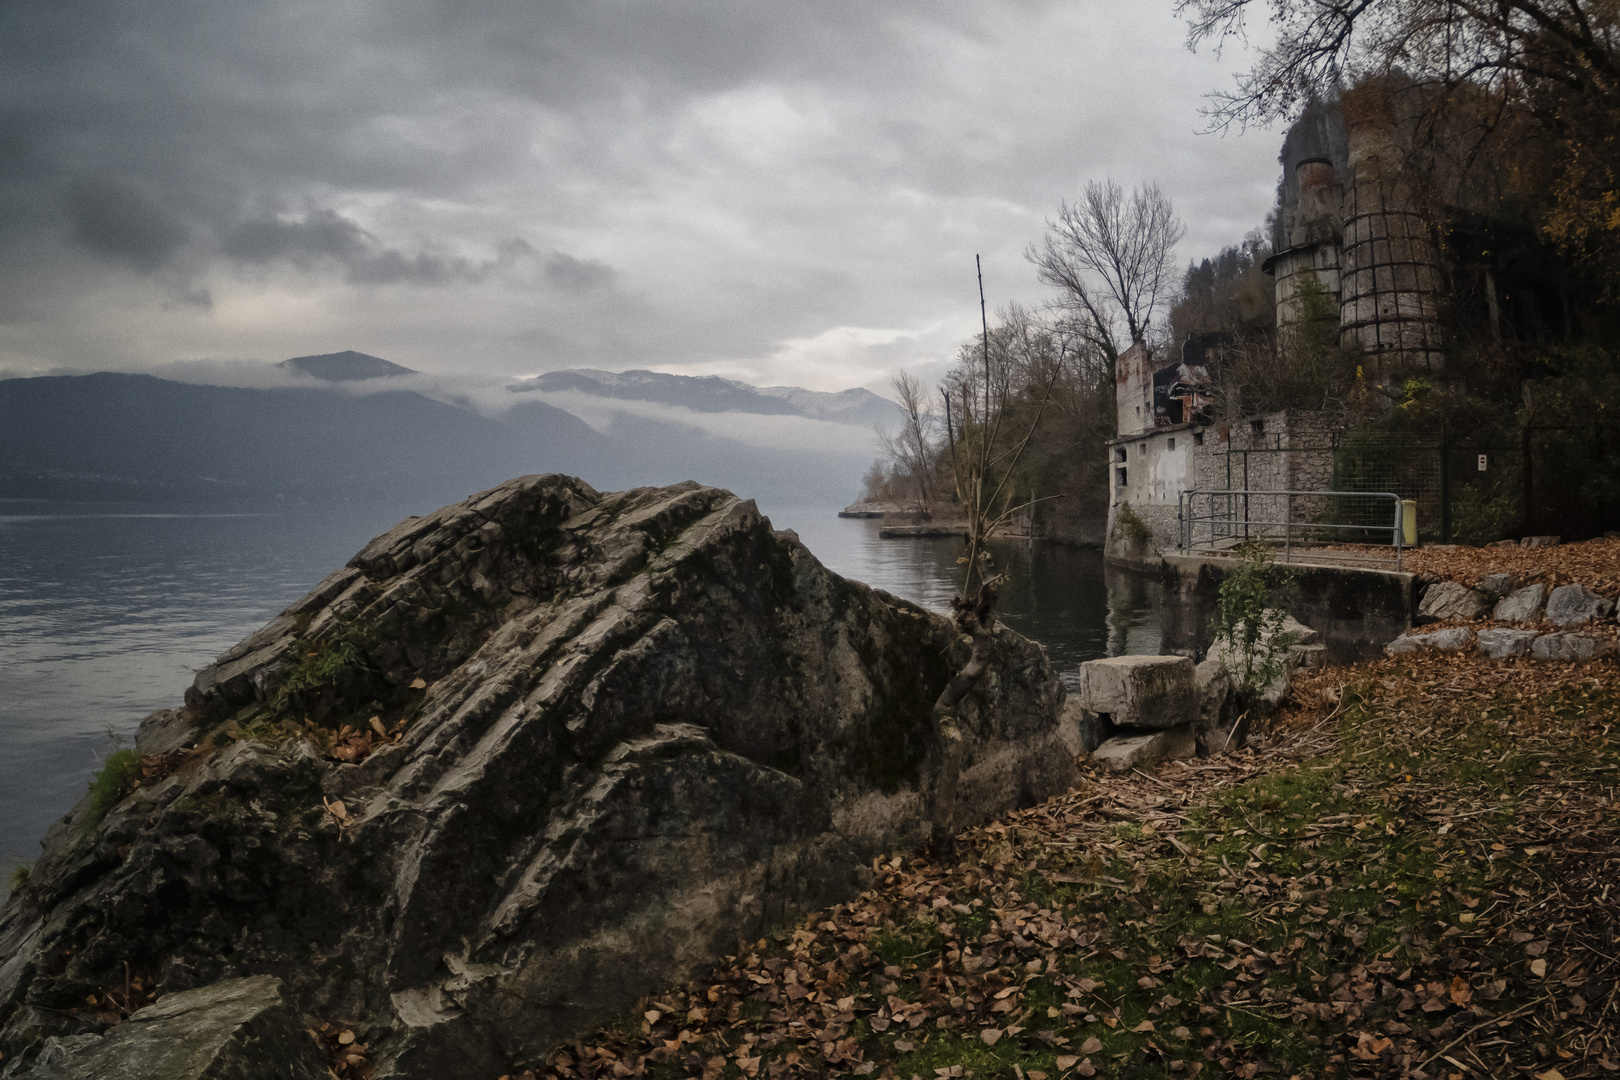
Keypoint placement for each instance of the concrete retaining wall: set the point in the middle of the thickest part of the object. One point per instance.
(1356, 611)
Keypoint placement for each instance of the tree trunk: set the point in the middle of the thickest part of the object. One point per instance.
(977, 619)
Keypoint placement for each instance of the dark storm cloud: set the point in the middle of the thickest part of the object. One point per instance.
(326, 238)
(118, 221)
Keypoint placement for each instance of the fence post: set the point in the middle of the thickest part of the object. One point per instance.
(1400, 529)
(1288, 526)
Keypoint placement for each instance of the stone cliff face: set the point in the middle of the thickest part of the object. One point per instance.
(517, 763)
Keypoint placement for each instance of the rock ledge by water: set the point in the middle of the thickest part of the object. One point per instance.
(517, 763)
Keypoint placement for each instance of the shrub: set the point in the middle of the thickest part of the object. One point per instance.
(1132, 527)
(1249, 619)
(19, 877)
(111, 784)
(318, 673)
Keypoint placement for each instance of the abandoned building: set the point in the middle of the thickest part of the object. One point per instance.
(1175, 447)
(1352, 245)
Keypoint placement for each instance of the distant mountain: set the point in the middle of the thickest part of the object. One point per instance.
(136, 437)
(113, 435)
(347, 366)
(712, 394)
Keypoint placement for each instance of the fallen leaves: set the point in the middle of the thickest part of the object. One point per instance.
(1401, 873)
(1593, 563)
(348, 1055)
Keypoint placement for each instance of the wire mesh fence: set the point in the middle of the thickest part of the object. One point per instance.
(1467, 490)
(1337, 526)
(1464, 489)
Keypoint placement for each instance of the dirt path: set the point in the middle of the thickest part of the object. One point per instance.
(1416, 872)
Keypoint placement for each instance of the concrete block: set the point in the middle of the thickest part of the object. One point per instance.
(1308, 657)
(1521, 605)
(1124, 752)
(1499, 642)
(1140, 691)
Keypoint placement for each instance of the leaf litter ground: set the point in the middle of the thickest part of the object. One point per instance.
(1416, 872)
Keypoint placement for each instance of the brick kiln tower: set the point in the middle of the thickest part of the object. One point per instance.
(1390, 275)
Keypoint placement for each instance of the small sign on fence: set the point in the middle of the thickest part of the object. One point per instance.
(1482, 463)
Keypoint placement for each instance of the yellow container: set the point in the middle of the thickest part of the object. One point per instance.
(1409, 522)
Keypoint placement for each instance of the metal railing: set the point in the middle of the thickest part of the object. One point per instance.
(1318, 526)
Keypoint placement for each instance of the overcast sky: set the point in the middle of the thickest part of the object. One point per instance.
(782, 192)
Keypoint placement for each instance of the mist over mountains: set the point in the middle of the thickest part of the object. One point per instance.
(712, 394)
(112, 436)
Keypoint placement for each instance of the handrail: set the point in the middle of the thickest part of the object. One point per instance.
(1250, 525)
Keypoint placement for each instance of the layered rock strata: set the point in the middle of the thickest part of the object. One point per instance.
(517, 763)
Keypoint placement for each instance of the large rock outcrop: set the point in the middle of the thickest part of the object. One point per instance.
(517, 763)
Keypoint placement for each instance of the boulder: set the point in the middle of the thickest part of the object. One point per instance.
(519, 762)
(240, 1029)
(1300, 635)
(1453, 600)
(1576, 605)
(164, 731)
(1521, 605)
(1497, 585)
(1501, 642)
(1540, 541)
(1304, 650)
(1141, 751)
(1571, 647)
(1449, 639)
(1140, 691)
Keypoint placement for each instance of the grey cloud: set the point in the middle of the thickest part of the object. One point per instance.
(118, 221)
(326, 238)
(319, 235)
(578, 275)
(614, 182)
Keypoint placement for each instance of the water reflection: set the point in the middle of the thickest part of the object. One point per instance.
(1063, 597)
(106, 612)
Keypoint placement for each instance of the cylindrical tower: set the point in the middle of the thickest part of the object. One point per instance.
(1307, 269)
(1390, 279)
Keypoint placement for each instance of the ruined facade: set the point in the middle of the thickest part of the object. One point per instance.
(1152, 463)
(1351, 241)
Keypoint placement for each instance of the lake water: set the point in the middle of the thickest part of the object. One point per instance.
(107, 611)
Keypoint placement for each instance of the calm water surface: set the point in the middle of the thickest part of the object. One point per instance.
(106, 613)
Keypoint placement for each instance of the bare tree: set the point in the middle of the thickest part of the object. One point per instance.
(1110, 257)
(987, 434)
(1512, 46)
(913, 449)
